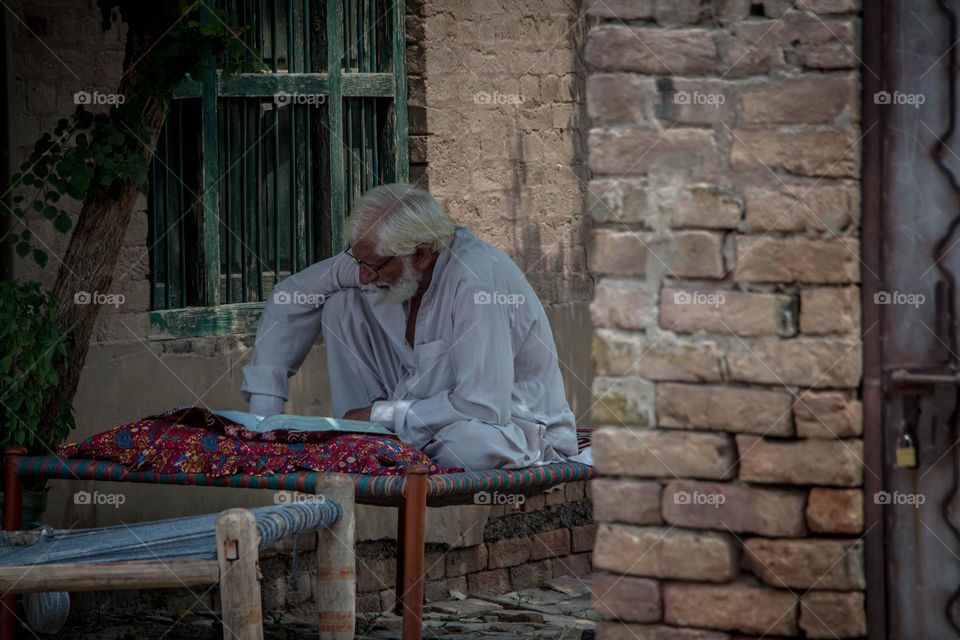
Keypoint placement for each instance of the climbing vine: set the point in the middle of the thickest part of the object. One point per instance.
(89, 153)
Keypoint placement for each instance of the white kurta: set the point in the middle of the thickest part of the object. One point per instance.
(480, 389)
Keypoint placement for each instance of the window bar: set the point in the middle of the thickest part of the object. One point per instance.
(276, 150)
(210, 193)
(370, 44)
(348, 111)
(261, 14)
(248, 34)
(356, 104)
(375, 66)
(227, 181)
(152, 234)
(291, 34)
(258, 264)
(348, 36)
(362, 111)
(182, 211)
(307, 33)
(273, 35)
(224, 183)
(244, 208)
(294, 211)
(350, 107)
(335, 123)
(352, 111)
(157, 243)
(376, 145)
(374, 138)
(167, 214)
(276, 194)
(308, 146)
(401, 149)
(371, 31)
(308, 163)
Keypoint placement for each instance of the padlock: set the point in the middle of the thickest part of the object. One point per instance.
(906, 452)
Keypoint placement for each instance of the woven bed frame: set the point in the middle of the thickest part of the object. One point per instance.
(411, 494)
(220, 551)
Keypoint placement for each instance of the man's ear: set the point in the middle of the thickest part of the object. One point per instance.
(423, 257)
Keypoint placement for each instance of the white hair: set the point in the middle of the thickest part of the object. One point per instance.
(400, 217)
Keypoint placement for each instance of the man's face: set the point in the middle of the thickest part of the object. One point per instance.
(396, 276)
(389, 269)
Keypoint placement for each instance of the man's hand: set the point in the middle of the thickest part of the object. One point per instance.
(358, 414)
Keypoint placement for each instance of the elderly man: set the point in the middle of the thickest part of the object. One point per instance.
(427, 329)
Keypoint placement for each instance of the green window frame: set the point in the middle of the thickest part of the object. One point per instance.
(253, 177)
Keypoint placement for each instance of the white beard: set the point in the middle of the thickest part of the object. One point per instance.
(406, 286)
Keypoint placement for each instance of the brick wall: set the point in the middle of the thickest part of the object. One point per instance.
(725, 163)
(548, 535)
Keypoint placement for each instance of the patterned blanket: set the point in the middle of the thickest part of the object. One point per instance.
(194, 440)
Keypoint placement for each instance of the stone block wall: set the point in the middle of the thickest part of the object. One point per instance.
(724, 151)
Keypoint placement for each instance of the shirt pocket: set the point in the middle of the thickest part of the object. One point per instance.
(434, 370)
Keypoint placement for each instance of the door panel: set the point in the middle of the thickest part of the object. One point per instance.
(920, 255)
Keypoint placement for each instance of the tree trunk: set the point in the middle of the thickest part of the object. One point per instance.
(91, 256)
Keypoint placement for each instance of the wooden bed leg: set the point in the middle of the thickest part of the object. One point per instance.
(237, 554)
(398, 587)
(12, 507)
(415, 512)
(336, 586)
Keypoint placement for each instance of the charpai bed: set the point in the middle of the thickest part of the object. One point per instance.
(192, 551)
(411, 493)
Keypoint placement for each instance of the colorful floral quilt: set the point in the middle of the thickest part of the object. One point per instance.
(194, 440)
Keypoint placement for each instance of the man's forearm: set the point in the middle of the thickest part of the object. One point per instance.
(289, 326)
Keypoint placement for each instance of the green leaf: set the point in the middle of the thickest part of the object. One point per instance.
(62, 223)
(23, 248)
(40, 146)
(83, 117)
(50, 213)
(40, 258)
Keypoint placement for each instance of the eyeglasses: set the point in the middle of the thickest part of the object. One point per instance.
(361, 263)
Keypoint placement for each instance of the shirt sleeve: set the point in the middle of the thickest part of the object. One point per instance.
(289, 327)
(264, 405)
(482, 359)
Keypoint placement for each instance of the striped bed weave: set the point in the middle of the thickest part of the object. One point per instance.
(192, 537)
(450, 488)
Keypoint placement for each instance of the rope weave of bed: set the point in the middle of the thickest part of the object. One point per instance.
(190, 538)
(369, 488)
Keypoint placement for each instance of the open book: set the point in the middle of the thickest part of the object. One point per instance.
(303, 423)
